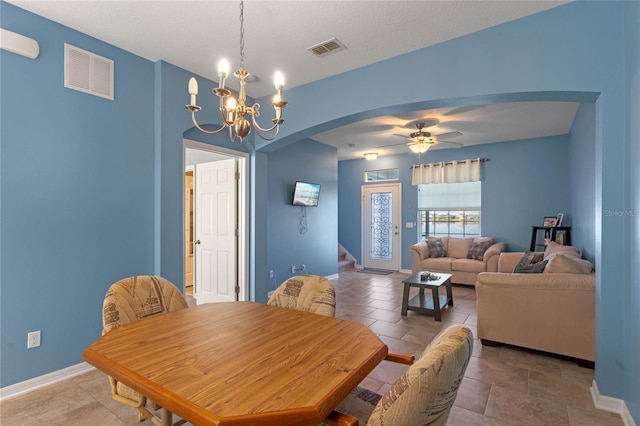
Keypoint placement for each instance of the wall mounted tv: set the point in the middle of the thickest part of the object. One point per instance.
(306, 194)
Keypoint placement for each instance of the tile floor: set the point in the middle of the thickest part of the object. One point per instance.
(502, 385)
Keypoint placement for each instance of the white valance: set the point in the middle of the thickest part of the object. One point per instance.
(452, 172)
(427, 173)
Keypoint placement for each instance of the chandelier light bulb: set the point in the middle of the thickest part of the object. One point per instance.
(193, 89)
(278, 80)
(223, 71)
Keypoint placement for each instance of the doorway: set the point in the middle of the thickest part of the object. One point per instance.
(201, 268)
(381, 205)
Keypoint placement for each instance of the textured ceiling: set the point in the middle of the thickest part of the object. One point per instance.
(194, 35)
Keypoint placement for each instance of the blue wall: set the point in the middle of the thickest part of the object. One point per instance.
(582, 163)
(317, 246)
(631, 334)
(581, 52)
(523, 182)
(77, 195)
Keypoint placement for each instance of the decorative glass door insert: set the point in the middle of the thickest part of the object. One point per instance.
(381, 225)
(381, 215)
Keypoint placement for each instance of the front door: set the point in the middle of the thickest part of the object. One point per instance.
(215, 232)
(381, 226)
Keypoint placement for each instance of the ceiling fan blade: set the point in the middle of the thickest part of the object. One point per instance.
(447, 144)
(394, 144)
(447, 135)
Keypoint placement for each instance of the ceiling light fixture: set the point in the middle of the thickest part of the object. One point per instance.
(420, 147)
(422, 141)
(370, 155)
(235, 112)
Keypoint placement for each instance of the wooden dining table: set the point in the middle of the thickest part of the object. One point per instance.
(240, 363)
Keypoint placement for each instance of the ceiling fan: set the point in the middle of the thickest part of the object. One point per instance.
(421, 141)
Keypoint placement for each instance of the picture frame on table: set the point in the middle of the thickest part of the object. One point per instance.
(550, 221)
(559, 219)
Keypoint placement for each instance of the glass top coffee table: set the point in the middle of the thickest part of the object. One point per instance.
(427, 303)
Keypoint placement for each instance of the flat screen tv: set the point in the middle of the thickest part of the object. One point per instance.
(306, 194)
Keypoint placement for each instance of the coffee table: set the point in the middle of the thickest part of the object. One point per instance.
(427, 303)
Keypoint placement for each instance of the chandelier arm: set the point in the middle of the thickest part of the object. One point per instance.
(210, 132)
(270, 129)
(265, 137)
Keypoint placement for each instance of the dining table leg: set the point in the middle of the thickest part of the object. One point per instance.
(166, 417)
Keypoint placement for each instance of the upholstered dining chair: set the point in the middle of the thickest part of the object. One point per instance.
(423, 395)
(308, 293)
(133, 299)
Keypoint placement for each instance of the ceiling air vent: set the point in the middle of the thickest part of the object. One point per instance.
(327, 47)
(88, 72)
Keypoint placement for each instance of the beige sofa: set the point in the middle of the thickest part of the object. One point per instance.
(458, 257)
(553, 311)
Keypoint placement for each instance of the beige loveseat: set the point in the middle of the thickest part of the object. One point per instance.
(464, 258)
(552, 311)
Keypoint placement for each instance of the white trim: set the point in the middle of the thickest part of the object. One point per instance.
(332, 277)
(612, 405)
(243, 208)
(30, 385)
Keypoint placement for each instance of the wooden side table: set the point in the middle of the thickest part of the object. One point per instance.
(551, 233)
(427, 304)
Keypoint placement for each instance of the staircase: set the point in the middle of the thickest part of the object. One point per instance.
(345, 260)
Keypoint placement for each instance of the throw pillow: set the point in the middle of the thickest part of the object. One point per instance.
(436, 249)
(477, 249)
(568, 264)
(536, 268)
(554, 248)
(531, 257)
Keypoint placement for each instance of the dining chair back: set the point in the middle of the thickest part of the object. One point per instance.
(423, 395)
(308, 293)
(133, 299)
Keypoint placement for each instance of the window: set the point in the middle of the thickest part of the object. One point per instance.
(381, 175)
(449, 209)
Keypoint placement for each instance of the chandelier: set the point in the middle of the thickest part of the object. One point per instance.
(421, 141)
(236, 113)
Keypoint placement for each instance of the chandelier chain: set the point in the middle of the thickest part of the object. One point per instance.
(236, 115)
(241, 35)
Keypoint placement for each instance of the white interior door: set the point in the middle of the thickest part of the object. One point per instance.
(381, 226)
(215, 232)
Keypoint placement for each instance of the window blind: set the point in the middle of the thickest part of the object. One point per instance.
(450, 196)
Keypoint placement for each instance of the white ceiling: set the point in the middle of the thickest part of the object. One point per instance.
(194, 35)
(478, 124)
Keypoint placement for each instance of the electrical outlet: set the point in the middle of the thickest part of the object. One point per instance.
(33, 339)
(303, 267)
(293, 269)
(271, 273)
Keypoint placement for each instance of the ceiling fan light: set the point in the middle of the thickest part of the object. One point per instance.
(420, 148)
(370, 155)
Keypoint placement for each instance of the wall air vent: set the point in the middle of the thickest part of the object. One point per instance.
(88, 72)
(325, 48)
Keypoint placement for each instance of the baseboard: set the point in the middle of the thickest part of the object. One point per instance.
(405, 271)
(332, 277)
(30, 385)
(612, 405)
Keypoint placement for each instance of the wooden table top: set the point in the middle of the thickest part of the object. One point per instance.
(415, 280)
(240, 363)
